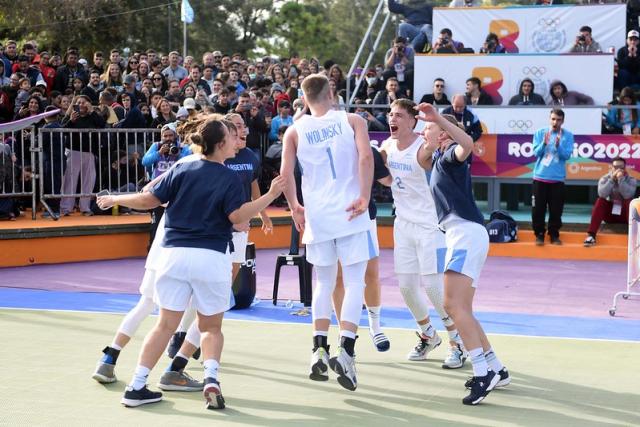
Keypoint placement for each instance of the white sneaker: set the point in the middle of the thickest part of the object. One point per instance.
(345, 366)
(455, 358)
(319, 370)
(424, 347)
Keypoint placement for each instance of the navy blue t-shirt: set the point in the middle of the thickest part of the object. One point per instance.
(379, 171)
(247, 166)
(201, 196)
(450, 183)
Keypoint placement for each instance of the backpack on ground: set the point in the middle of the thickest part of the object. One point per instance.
(502, 228)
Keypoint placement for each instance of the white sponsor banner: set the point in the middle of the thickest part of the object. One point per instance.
(534, 29)
(526, 120)
(501, 74)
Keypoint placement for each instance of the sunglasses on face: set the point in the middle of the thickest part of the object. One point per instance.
(157, 78)
(133, 62)
(439, 85)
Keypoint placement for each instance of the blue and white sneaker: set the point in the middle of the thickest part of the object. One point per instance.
(480, 388)
(381, 341)
(455, 358)
(133, 398)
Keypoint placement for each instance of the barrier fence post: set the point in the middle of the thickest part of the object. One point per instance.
(633, 259)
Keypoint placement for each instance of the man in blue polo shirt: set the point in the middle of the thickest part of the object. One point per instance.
(552, 147)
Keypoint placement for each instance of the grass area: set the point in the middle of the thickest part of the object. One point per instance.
(48, 359)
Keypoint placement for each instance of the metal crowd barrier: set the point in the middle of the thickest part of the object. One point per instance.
(78, 163)
(17, 157)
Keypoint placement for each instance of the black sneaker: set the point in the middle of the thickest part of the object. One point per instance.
(176, 342)
(556, 241)
(480, 388)
(539, 240)
(133, 398)
(213, 394)
(505, 379)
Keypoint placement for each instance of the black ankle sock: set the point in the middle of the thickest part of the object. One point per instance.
(320, 341)
(111, 355)
(178, 364)
(348, 344)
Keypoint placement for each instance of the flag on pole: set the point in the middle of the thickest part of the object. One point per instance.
(186, 12)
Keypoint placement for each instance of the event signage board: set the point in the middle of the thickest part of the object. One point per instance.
(534, 29)
(511, 156)
(501, 75)
(526, 120)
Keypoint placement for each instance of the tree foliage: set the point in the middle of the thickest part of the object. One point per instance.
(326, 29)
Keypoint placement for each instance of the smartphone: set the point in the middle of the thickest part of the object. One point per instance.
(76, 108)
(103, 193)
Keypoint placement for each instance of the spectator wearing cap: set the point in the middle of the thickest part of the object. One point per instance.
(174, 70)
(398, 63)
(66, 73)
(284, 118)
(417, 27)
(278, 94)
(129, 87)
(160, 157)
(81, 161)
(437, 97)
(629, 61)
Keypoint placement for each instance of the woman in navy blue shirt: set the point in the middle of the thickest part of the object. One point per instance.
(449, 147)
(204, 199)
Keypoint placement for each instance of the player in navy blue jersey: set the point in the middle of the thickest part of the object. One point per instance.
(204, 199)
(467, 243)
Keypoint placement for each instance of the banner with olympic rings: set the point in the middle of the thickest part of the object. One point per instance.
(534, 29)
(511, 156)
(526, 120)
(501, 74)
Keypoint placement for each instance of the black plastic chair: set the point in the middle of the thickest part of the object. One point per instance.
(294, 258)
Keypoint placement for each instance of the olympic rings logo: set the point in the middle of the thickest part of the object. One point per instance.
(521, 125)
(534, 71)
(551, 22)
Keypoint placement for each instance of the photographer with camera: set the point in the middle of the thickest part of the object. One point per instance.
(162, 155)
(585, 43)
(446, 44)
(398, 63)
(159, 159)
(492, 45)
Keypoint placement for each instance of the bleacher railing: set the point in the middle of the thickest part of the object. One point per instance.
(17, 155)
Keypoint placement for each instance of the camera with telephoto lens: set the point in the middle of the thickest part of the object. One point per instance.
(582, 38)
(174, 150)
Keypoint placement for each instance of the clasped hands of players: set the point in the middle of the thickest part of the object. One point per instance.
(358, 207)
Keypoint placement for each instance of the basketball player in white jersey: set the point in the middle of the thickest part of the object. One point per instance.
(419, 245)
(332, 148)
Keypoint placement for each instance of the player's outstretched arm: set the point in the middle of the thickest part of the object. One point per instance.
(250, 209)
(140, 201)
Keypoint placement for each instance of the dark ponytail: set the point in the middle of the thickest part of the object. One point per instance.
(205, 130)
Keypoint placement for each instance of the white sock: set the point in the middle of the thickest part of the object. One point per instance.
(374, 319)
(492, 360)
(321, 333)
(211, 368)
(479, 363)
(348, 334)
(115, 346)
(427, 330)
(139, 379)
(455, 336)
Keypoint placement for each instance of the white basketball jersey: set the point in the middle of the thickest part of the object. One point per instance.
(329, 163)
(411, 192)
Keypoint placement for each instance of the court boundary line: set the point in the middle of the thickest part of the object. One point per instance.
(270, 322)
